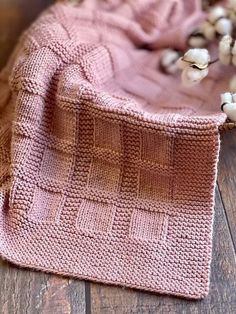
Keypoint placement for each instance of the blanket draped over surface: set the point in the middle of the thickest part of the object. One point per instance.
(107, 165)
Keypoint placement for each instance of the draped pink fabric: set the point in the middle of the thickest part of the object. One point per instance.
(108, 165)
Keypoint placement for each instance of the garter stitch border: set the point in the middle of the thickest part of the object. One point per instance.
(93, 184)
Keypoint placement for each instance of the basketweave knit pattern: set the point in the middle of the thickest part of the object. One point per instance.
(107, 165)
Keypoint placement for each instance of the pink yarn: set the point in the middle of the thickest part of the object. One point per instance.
(107, 165)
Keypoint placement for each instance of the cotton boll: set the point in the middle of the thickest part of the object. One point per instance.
(234, 49)
(218, 23)
(230, 110)
(198, 75)
(168, 61)
(225, 45)
(234, 54)
(226, 98)
(195, 66)
(234, 97)
(181, 64)
(172, 69)
(192, 76)
(208, 31)
(197, 41)
(232, 84)
(225, 59)
(216, 13)
(169, 56)
(199, 57)
(224, 26)
(232, 4)
(225, 49)
(186, 81)
(232, 11)
(234, 60)
(232, 15)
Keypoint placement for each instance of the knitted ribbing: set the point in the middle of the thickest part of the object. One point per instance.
(107, 165)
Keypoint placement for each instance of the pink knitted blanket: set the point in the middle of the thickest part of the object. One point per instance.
(108, 165)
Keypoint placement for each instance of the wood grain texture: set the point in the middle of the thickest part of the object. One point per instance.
(28, 292)
(227, 179)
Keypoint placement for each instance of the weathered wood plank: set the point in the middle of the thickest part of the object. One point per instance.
(227, 179)
(28, 292)
(221, 299)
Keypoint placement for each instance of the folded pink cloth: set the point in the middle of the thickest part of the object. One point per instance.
(108, 165)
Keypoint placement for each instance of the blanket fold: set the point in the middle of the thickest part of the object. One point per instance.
(107, 165)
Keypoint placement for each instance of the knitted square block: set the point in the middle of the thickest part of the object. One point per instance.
(187, 179)
(156, 148)
(45, 206)
(97, 72)
(64, 125)
(21, 202)
(28, 113)
(3, 170)
(154, 185)
(55, 166)
(148, 225)
(107, 135)
(95, 216)
(104, 175)
(19, 155)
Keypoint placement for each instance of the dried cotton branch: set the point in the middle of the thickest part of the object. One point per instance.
(194, 65)
(228, 105)
(168, 61)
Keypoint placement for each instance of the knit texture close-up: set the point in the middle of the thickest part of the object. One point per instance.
(107, 164)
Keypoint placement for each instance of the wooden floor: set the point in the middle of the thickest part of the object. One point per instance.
(27, 292)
